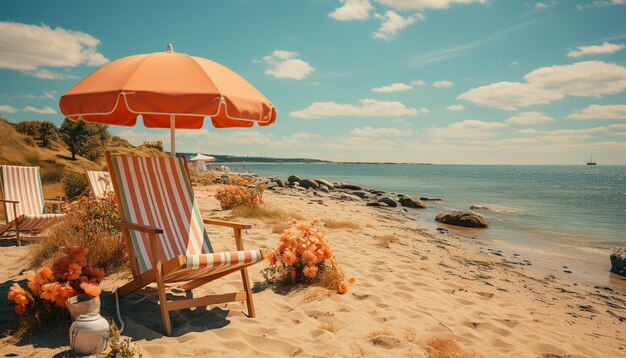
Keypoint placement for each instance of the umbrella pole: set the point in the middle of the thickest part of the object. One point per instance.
(172, 135)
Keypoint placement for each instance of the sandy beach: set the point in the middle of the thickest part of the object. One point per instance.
(411, 293)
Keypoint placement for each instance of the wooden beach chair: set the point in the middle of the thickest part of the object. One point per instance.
(21, 191)
(166, 237)
(100, 183)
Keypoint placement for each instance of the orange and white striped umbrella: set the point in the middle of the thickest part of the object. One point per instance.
(169, 90)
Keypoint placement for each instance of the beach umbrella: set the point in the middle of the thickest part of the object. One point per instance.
(168, 90)
(202, 158)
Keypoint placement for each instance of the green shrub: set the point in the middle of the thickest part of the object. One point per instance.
(75, 184)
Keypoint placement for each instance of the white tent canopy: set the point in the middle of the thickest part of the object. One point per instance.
(202, 158)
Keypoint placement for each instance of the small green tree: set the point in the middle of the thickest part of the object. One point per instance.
(47, 134)
(86, 139)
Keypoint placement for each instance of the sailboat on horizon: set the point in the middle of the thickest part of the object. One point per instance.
(591, 162)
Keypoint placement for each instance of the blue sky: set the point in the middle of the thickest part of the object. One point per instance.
(442, 81)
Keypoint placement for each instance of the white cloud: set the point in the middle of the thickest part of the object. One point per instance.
(600, 3)
(372, 132)
(612, 111)
(426, 4)
(49, 75)
(7, 109)
(442, 84)
(394, 87)
(514, 63)
(45, 110)
(27, 48)
(455, 107)
(365, 108)
(548, 84)
(529, 118)
(352, 10)
(541, 5)
(417, 83)
(470, 128)
(605, 48)
(285, 64)
(392, 23)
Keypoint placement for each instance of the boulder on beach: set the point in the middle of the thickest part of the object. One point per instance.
(430, 199)
(348, 186)
(325, 182)
(463, 218)
(387, 200)
(377, 203)
(294, 179)
(306, 183)
(412, 203)
(618, 262)
(360, 194)
(279, 182)
(324, 188)
(345, 196)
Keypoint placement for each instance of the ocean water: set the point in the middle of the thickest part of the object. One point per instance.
(555, 216)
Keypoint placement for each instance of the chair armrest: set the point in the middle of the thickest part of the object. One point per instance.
(138, 227)
(50, 201)
(234, 225)
(9, 201)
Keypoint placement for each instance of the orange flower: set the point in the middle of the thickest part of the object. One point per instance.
(45, 273)
(289, 258)
(308, 256)
(18, 295)
(271, 257)
(343, 287)
(310, 271)
(50, 291)
(73, 271)
(20, 309)
(91, 289)
(75, 252)
(352, 280)
(95, 272)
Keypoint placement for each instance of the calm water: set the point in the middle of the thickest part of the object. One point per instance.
(557, 215)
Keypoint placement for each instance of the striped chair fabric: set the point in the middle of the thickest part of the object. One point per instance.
(23, 184)
(157, 192)
(100, 183)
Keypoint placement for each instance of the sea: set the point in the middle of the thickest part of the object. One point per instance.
(564, 219)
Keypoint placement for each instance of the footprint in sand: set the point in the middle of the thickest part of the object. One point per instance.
(384, 341)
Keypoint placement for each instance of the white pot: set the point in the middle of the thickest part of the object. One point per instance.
(82, 304)
(89, 334)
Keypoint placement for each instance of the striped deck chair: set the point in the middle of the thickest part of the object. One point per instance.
(165, 234)
(21, 190)
(100, 183)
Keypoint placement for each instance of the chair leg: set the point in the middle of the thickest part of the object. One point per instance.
(165, 313)
(17, 233)
(246, 287)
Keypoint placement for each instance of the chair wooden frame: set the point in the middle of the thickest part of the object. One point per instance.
(157, 273)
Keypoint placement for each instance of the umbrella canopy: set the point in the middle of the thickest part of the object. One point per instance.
(169, 90)
(202, 158)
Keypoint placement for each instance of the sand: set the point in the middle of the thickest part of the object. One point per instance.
(426, 285)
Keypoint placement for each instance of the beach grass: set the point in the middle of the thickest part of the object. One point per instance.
(443, 347)
(264, 212)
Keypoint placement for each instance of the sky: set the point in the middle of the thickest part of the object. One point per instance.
(438, 81)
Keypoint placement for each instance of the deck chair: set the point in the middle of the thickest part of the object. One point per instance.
(100, 183)
(166, 237)
(21, 191)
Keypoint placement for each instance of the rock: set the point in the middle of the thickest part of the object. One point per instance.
(387, 200)
(360, 194)
(618, 262)
(325, 182)
(463, 218)
(306, 183)
(412, 203)
(348, 186)
(377, 203)
(279, 182)
(430, 199)
(377, 192)
(324, 188)
(345, 196)
(294, 179)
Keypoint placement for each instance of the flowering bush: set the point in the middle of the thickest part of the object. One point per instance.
(70, 276)
(201, 178)
(238, 180)
(234, 196)
(304, 257)
(88, 223)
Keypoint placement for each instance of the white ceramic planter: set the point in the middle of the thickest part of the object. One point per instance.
(89, 334)
(83, 304)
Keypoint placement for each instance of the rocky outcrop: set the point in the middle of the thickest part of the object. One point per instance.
(430, 199)
(325, 182)
(463, 218)
(294, 179)
(377, 203)
(412, 203)
(618, 262)
(279, 182)
(387, 200)
(361, 194)
(348, 186)
(306, 183)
